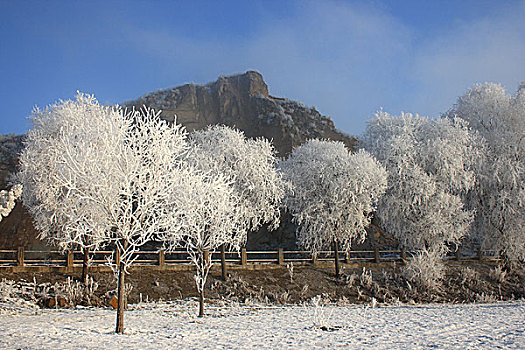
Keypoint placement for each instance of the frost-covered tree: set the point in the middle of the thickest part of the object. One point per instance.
(429, 170)
(250, 166)
(210, 219)
(334, 193)
(499, 196)
(96, 175)
(8, 199)
(61, 159)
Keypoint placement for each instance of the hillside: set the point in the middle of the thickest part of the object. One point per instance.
(16, 230)
(241, 101)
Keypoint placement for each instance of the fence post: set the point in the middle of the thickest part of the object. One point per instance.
(69, 258)
(347, 257)
(20, 256)
(280, 256)
(377, 257)
(403, 254)
(117, 257)
(314, 258)
(162, 259)
(244, 257)
(480, 254)
(458, 254)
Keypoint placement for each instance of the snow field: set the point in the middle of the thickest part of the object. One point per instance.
(175, 325)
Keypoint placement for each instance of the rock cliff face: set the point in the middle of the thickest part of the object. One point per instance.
(242, 101)
(16, 230)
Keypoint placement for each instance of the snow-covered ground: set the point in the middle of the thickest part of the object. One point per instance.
(174, 325)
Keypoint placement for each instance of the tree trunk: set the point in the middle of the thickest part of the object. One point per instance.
(336, 254)
(201, 303)
(121, 290)
(121, 302)
(200, 284)
(85, 266)
(223, 262)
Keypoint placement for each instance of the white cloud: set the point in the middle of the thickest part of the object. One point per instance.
(349, 59)
(487, 49)
(336, 56)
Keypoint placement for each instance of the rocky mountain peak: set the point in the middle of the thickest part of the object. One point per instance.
(250, 83)
(243, 101)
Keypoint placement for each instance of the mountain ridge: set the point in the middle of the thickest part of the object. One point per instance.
(242, 101)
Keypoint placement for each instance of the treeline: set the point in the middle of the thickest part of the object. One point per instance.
(95, 175)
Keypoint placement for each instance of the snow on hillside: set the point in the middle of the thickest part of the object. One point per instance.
(174, 325)
(10, 146)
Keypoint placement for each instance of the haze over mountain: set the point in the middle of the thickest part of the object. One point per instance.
(243, 101)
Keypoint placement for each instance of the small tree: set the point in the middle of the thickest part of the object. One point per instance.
(8, 198)
(334, 194)
(499, 195)
(429, 164)
(211, 219)
(96, 175)
(254, 179)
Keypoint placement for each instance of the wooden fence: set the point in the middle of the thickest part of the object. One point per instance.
(38, 258)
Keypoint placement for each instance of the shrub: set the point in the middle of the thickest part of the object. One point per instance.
(498, 274)
(425, 269)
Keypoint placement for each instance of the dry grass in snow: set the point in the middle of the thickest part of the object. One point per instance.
(175, 325)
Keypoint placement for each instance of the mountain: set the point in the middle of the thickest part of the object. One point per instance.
(243, 101)
(240, 101)
(16, 229)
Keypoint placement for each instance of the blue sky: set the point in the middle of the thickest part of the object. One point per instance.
(346, 58)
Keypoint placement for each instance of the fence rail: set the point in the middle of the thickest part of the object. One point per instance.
(53, 258)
